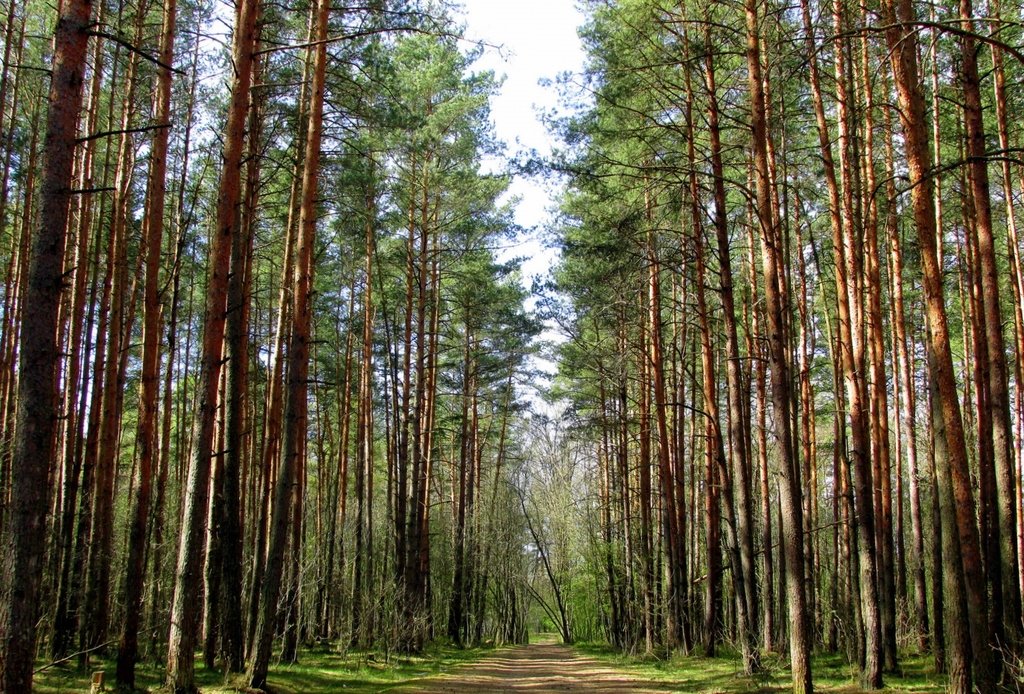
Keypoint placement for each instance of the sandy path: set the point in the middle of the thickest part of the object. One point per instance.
(533, 668)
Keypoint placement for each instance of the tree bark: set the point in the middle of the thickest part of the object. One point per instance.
(847, 247)
(93, 628)
(181, 642)
(777, 300)
(878, 404)
(997, 376)
(147, 442)
(78, 392)
(907, 432)
(293, 449)
(954, 475)
(236, 424)
(735, 481)
(1016, 275)
(21, 556)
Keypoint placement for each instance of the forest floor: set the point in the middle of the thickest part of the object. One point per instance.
(537, 667)
(548, 666)
(542, 666)
(723, 674)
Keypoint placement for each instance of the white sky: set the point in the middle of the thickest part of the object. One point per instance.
(537, 40)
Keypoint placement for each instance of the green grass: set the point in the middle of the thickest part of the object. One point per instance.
(318, 670)
(724, 674)
(326, 670)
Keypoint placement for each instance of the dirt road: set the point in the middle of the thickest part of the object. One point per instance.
(543, 667)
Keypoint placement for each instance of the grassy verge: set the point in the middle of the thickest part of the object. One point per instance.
(318, 670)
(724, 673)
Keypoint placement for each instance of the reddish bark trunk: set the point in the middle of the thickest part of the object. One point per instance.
(21, 553)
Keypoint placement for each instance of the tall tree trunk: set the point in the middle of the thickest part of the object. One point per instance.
(21, 556)
(954, 475)
(364, 408)
(8, 329)
(417, 563)
(847, 246)
(646, 498)
(808, 440)
(181, 642)
(956, 619)
(93, 628)
(147, 442)
(942, 643)
(156, 625)
(1007, 611)
(293, 449)
(759, 387)
(78, 392)
(344, 409)
(851, 341)
(274, 395)
(463, 481)
(430, 412)
(673, 539)
(84, 528)
(271, 445)
(236, 424)
(878, 410)
(1016, 276)
(736, 481)
(777, 301)
(907, 430)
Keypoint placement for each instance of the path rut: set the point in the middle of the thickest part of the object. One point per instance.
(533, 668)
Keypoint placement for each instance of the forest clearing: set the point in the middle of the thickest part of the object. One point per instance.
(293, 399)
